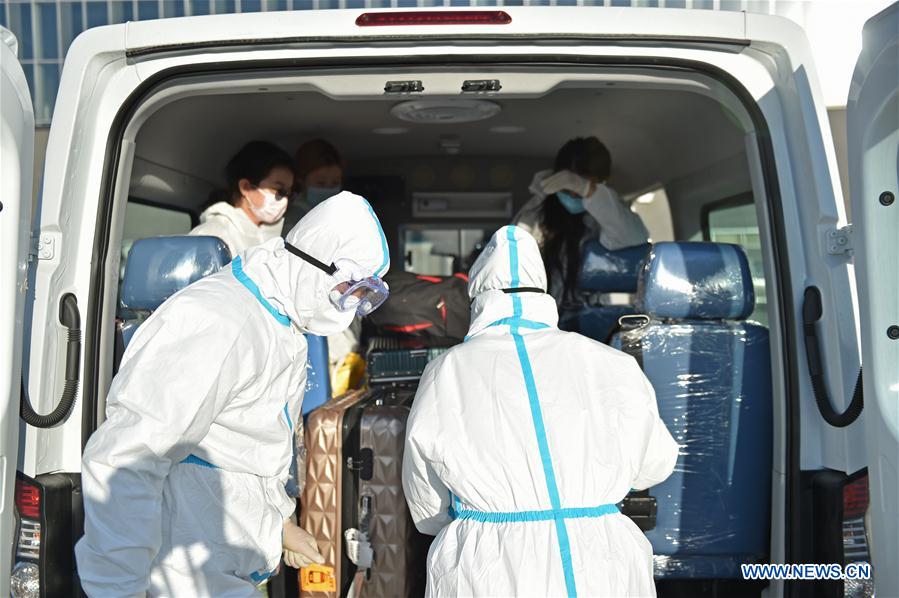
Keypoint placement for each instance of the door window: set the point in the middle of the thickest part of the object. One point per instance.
(734, 221)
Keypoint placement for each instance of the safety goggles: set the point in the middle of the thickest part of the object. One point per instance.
(355, 288)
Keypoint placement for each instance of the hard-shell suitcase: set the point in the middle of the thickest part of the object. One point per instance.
(321, 500)
(354, 504)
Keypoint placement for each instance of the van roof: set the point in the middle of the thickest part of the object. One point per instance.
(325, 25)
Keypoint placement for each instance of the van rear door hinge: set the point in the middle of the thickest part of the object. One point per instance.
(839, 241)
(43, 247)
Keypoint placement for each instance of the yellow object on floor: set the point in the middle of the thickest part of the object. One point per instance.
(347, 374)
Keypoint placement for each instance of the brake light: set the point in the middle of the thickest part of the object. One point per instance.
(28, 499)
(442, 17)
(855, 534)
(25, 581)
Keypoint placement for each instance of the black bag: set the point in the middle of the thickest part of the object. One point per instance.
(430, 308)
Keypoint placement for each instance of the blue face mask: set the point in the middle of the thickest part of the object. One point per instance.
(574, 205)
(316, 195)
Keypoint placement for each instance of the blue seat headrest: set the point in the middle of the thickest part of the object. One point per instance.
(696, 281)
(611, 271)
(159, 267)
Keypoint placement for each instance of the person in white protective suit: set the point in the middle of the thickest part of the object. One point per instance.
(522, 440)
(184, 483)
(573, 203)
(259, 181)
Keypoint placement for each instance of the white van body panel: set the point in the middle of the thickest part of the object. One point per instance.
(527, 22)
(873, 127)
(16, 158)
(94, 84)
(817, 197)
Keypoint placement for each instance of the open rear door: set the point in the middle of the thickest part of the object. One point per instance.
(16, 172)
(873, 121)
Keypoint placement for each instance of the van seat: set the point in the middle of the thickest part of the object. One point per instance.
(318, 380)
(159, 267)
(711, 372)
(604, 272)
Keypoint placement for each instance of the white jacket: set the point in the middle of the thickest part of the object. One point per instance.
(607, 216)
(233, 226)
(530, 435)
(184, 483)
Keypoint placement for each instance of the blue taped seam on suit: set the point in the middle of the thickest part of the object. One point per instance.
(195, 460)
(521, 322)
(537, 416)
(287, 415)
(241, 276)
(386, 262)
(531, 516)
(258, 578)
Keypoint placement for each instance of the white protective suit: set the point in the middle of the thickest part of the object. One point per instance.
(184, 483)
(521, 441)
(233, 226)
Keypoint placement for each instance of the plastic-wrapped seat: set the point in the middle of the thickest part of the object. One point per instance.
(159, 267)
(318, 379)
(603, 273)
(711, 372)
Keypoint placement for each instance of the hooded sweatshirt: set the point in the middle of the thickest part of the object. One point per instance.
(233, 226)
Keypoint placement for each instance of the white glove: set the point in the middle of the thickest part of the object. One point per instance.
(300, 549)
(568, 181)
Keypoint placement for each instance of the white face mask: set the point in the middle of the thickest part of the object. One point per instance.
(272, 209)
(327, 320)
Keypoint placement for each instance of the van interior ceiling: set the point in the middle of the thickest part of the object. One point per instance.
(659, 135)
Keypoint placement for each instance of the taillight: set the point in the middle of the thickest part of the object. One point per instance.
(855, 537)
(28, 499)
(438, 17)
(25, 581)
(48, 522)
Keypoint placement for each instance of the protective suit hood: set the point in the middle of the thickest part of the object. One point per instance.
(342, 227)
(511, 260)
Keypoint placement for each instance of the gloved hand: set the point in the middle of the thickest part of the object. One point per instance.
(565, 180)
(300, 549)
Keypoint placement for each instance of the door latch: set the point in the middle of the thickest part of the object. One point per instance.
(839, 241)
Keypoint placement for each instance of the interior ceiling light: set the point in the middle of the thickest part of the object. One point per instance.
(506, 130)
(440, 112)
(390, 130)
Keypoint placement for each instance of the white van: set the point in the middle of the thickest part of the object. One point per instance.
(714, 119)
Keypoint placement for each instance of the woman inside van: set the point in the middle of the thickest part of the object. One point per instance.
(319, 169)
(251, 211)
(571, 204)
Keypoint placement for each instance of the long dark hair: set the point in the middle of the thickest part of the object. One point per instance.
(253, 162)
(562, 230)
